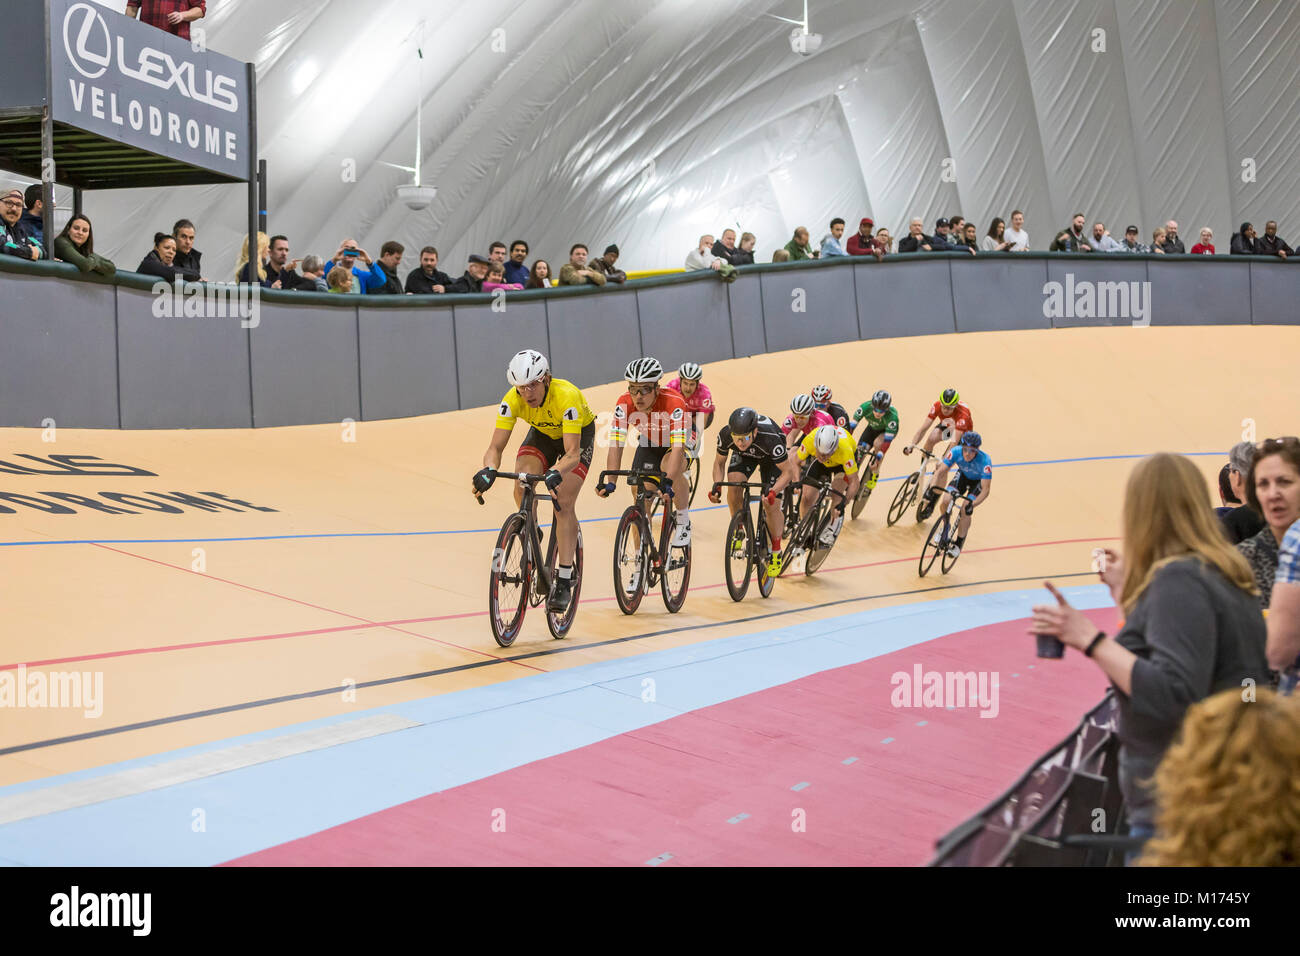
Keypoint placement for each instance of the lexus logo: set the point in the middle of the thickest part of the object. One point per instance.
(91, 52)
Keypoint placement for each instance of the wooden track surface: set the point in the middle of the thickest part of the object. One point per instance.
(284, 616)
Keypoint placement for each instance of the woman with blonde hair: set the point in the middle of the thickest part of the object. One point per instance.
(1226, 790)
(1192, 624)
(263, 256)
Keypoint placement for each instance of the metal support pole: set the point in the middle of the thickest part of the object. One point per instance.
(47, 180)
(261, 194)
(76, 200)
(253, 207)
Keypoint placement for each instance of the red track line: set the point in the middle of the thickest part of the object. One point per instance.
(283, 597)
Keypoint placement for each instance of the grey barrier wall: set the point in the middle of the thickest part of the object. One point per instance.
(88, 352)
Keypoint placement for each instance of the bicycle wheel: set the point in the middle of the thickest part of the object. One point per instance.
(763, 538)
(790, 508)
(935, 541)
(860, 500)
(903, 497)
(738, 562)
(946, 563)
(693, 476)
(819, 552)
(508, 582)
(630, 565)
(797, 540)
(675, 575)
(560, 623)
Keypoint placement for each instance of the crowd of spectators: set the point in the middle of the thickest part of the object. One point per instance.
(1194, 655)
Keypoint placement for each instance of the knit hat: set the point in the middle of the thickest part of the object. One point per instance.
(613, 249)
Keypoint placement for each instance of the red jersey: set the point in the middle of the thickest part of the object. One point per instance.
(959, 420)
(661, 427)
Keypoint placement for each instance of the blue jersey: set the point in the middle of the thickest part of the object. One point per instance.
(980, 468)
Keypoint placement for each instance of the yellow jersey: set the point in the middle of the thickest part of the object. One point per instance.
(563, 411)
(845, 453)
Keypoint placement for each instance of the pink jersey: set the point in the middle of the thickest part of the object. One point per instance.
(815, 420)
(700, 399)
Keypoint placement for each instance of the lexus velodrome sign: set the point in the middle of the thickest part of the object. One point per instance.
(126, 81)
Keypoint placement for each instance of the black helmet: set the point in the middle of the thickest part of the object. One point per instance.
(881, 401)
(948, 397)
(743, 421)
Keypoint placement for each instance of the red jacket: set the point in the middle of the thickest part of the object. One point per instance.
(859, 246)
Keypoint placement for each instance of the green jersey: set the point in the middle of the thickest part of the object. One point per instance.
(887, 423)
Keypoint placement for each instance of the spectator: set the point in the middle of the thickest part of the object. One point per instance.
(187, 257)
(312, 278)
(1242, 242)
(340, 280)
(969, 239)
(942, 229)
(702, 257)
(1283, 645)
(1206, 246)
(956, 230)
(428, 279)
(1072, 239)
(832, 243)
(781, 255)
(1158, 239)
(353, 258)
(496, 279)
(1269, 244)
(1131, 244)
(1273, 490)
(33, 219)
(577, 272)
(241, 265)
(76, 244)
(996, 240)
(1172, 244)
(1102, 241)
(744, 256)
(280, 272)
(17, 241)
(159, 261)
(540, 277)
(884, 241)
(1191, 624)
(605, 264)
(476, 271)
(916, 240)
(799, 247)
(497, 253)
(1225, 790)
(725, 247)
(516, 271)
(1243, 521)
(1016, 234)
(390, 260)
(862, 244)
(172, 16)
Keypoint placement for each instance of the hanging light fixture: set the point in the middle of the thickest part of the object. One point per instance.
(414, 195)
(801, 41)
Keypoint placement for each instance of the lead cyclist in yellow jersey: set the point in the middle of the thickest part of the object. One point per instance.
(836, 457)
(559, 445)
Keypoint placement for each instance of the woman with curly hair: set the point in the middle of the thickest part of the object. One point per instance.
(1192, 623)
(1227, 790)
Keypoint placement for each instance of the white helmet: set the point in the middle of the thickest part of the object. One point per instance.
(802, 405)
(691, 372)
(643, 371)
(826, 439)
(527, 367)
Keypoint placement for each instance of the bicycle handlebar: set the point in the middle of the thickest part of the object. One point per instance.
(527, 479)
(634, 476)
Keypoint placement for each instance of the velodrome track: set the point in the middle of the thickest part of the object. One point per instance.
(314, 680)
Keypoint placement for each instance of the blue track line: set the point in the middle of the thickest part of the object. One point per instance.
(408, 534)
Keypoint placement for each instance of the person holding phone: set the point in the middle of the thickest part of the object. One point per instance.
(352, 257)
(1192, 624)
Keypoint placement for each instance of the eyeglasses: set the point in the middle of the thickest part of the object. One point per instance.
(641, 389)
(12, 202)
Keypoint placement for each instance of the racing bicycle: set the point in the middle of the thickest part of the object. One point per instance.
(640, 564)
(944, 531)
(745, 549)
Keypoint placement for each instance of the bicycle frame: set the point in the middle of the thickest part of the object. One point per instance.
(528, 510)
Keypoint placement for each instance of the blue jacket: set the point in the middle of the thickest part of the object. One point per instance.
(517, 272)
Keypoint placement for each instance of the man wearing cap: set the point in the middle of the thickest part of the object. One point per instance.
(833, 242)
(861, 243)
(606, 265)
(941, 227)
(1131, 244)
(472, 280)
(15, 240)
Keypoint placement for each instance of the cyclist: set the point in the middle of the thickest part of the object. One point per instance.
(659, 416)
(559, 445)
(974, 473)
(951, 420)
(821, 396)
(753, 440)
(881, 429)
(699, 403)
(834, 454)
(803, 419)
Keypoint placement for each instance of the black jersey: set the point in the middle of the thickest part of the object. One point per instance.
(838, 413)
(768, 443)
